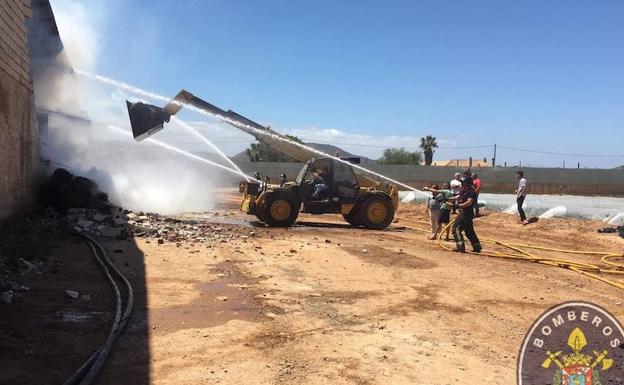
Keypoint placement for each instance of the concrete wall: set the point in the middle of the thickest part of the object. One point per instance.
(498, 179)
(18, 138)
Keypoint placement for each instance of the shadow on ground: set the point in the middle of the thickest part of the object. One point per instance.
(47, 335)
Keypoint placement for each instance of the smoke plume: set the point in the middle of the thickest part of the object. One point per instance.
(77, 136)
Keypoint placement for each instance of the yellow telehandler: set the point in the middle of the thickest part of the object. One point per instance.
(363, 201)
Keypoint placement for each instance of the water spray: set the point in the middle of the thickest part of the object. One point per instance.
(182, 152)
(167, 146)
(201, 137)
(247, 127)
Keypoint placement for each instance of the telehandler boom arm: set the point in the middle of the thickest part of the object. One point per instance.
(147, 119)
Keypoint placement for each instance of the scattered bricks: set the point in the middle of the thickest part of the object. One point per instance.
(7, 297)
(111, 232)
(99, 218)
(84, 224)
(27, 265)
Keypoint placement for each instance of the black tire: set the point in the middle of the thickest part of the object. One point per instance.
(376, 212)
(353, 219)
(260, 213)
(279, 209)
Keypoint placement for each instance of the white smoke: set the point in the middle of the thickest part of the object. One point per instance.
(138, 176)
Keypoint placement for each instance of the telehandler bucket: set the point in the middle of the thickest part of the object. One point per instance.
(147, 119)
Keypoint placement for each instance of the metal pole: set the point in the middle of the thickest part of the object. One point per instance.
(494, 158)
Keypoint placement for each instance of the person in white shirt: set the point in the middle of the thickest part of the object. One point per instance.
(455, 187)
(521, 195)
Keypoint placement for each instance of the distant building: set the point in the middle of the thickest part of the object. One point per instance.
(462, 163)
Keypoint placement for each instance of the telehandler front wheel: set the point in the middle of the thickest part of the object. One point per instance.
(353, 219)
(376, 212)
(280, 209)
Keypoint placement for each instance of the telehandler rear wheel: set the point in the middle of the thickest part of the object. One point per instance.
(376, 212)
(280, 209)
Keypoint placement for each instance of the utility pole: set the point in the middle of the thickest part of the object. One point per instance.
(494, 157)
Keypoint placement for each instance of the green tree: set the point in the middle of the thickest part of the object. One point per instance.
(427, 144)
(400, 156)
(262, 152)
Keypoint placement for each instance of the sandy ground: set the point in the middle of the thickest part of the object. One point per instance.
(325, 303)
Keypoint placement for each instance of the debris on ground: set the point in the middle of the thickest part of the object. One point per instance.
(28, 266)
(176, 230)
(73, 294)
(7, 297)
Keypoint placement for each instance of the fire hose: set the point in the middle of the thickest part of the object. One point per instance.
(91, 367)
(518, 251)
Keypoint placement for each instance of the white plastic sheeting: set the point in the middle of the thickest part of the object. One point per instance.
(607, 209)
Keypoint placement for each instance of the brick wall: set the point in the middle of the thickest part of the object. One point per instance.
(18, 138)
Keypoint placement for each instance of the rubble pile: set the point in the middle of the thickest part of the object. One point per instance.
(168, 229)
(109, 223)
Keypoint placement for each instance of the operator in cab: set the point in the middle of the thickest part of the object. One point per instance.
(320, 184)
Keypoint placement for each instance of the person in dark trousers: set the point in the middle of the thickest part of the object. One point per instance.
(463, 222)
(521, 195)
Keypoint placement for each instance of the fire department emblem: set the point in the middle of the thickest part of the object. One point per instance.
(575, 343)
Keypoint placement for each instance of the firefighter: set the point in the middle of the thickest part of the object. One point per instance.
(463, 223)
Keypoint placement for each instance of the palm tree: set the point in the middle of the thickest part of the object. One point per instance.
(427, 144)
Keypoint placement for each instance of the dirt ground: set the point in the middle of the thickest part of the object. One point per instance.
(325, 303)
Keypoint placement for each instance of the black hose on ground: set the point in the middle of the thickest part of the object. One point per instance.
(91, 367)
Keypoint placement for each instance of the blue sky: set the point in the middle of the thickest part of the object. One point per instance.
(541, 75)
